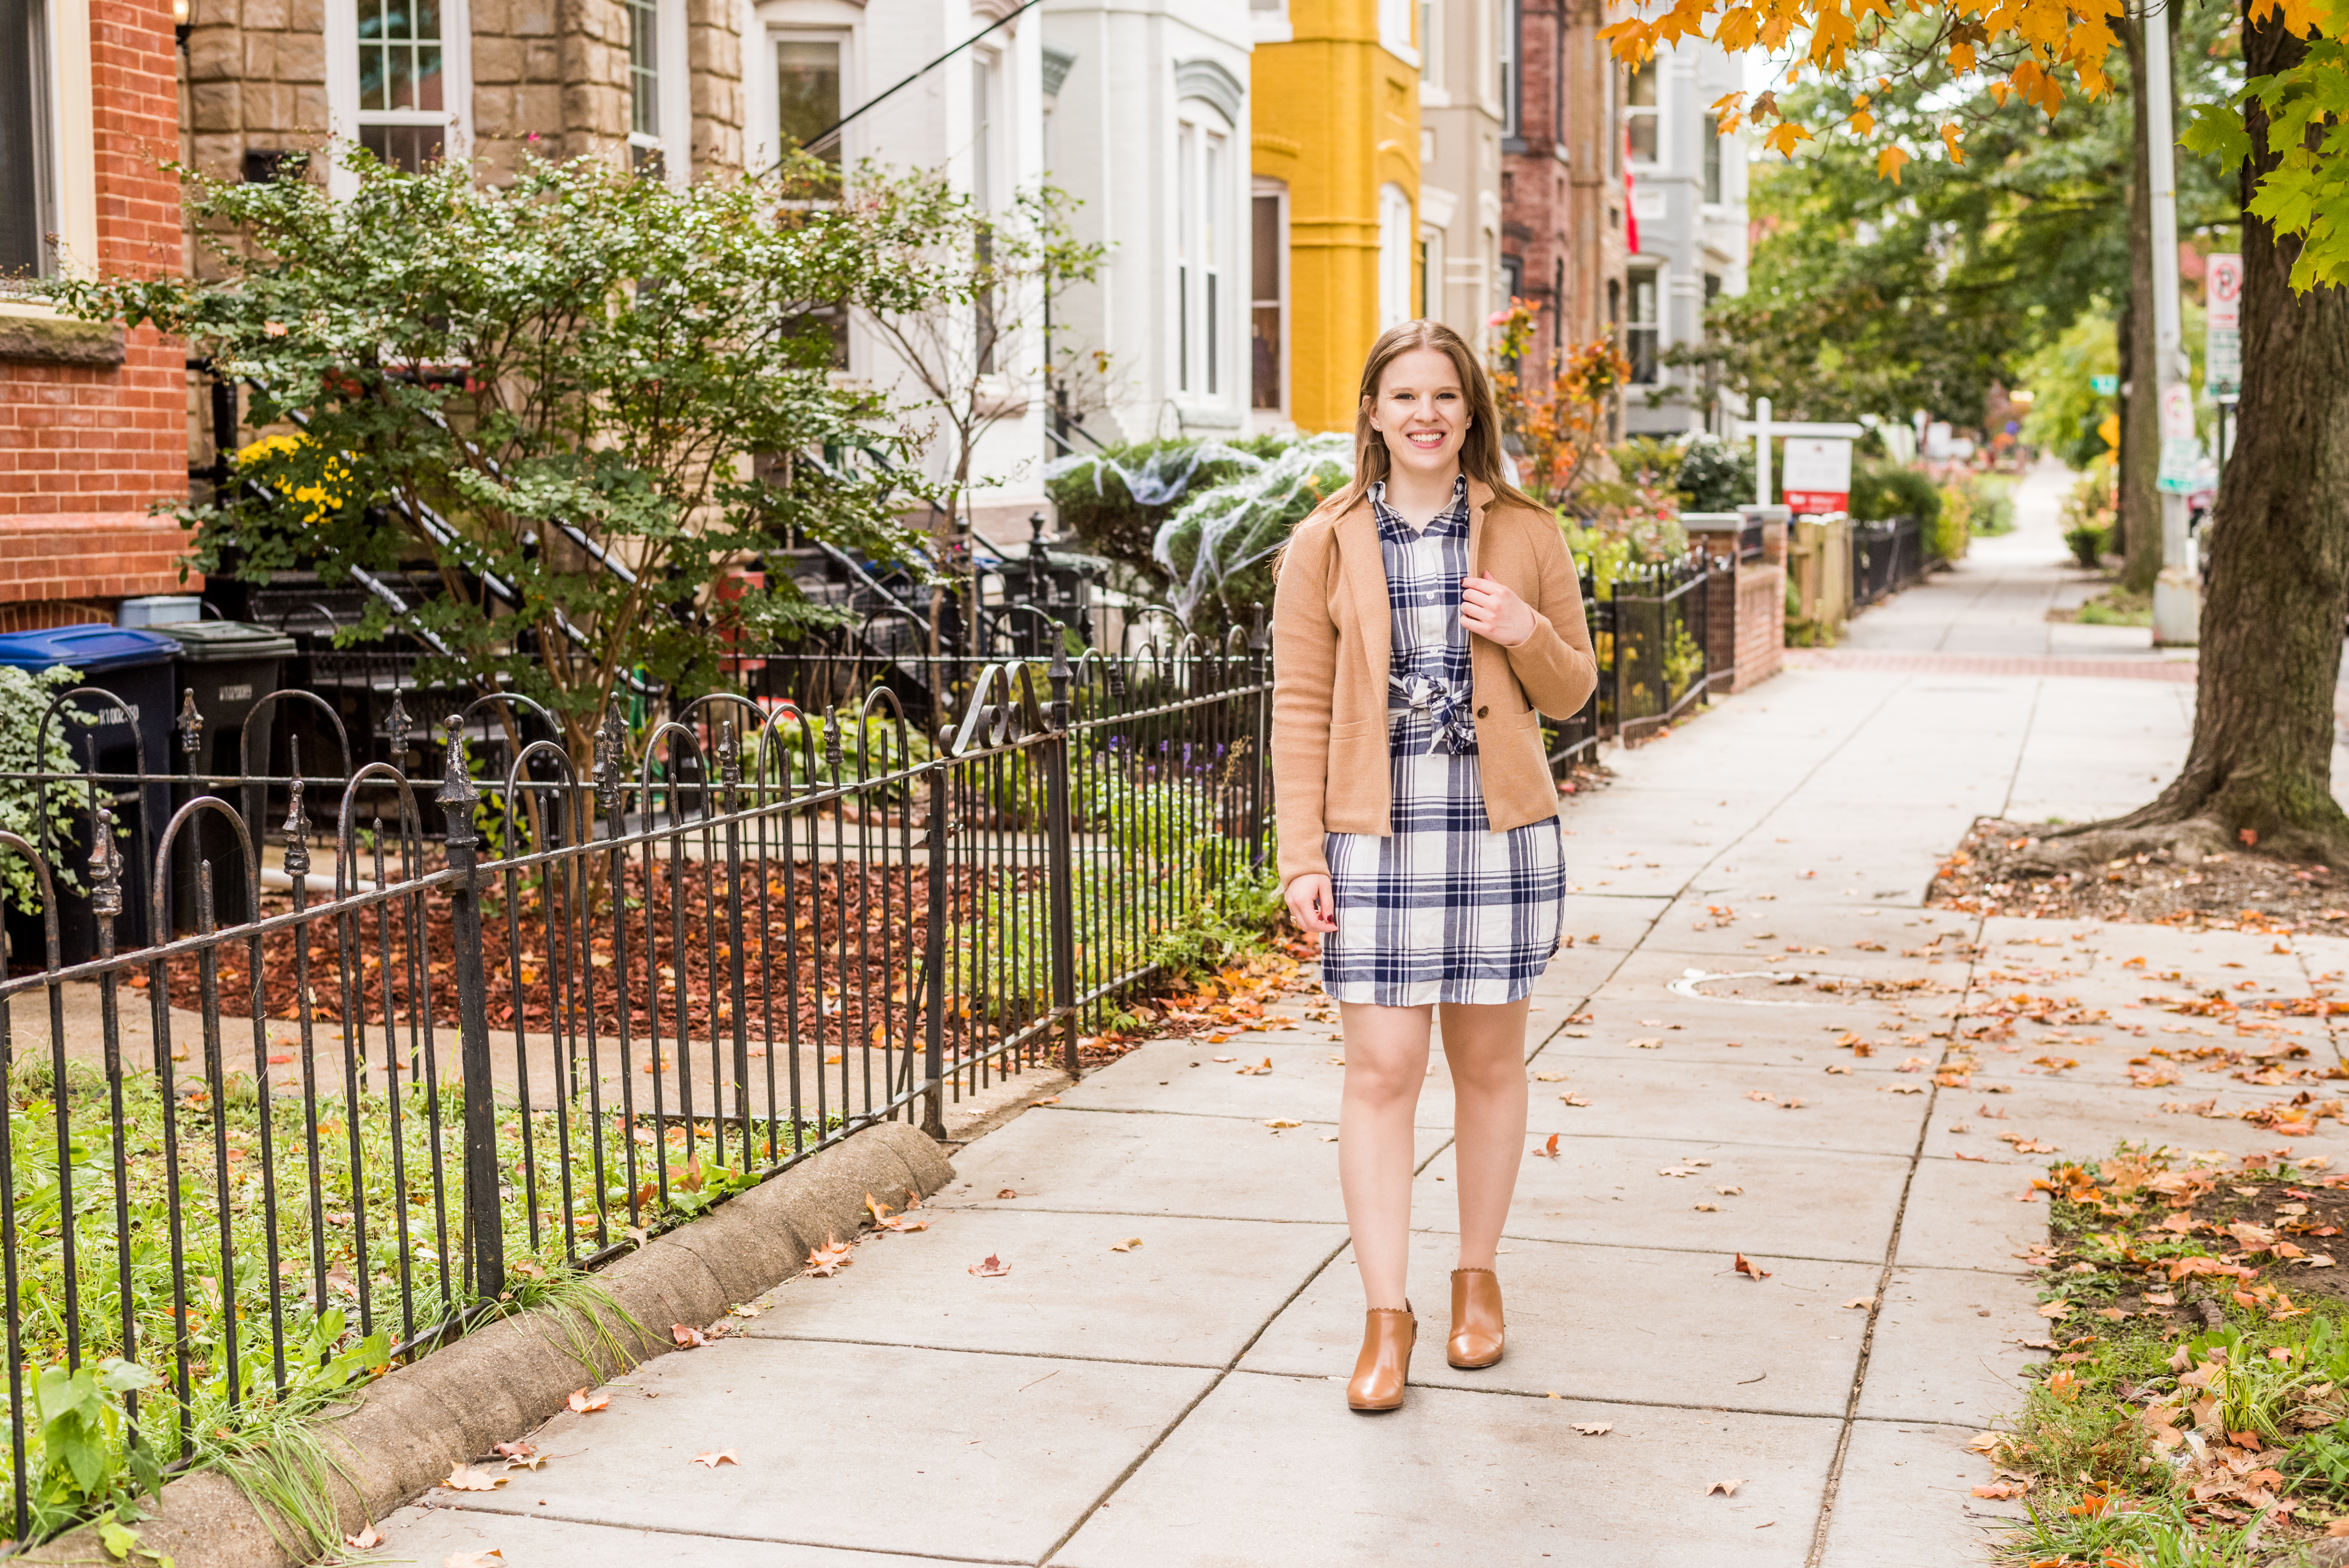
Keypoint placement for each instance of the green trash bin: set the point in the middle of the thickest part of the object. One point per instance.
(229, 666)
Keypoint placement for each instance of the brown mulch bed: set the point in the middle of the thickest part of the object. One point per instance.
(834, 942)
(1990, 873)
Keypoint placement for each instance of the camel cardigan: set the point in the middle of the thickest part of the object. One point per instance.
(1331, 631)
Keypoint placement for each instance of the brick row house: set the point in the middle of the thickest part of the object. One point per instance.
(93, 421)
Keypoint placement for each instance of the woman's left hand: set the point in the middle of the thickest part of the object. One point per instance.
(1489, 608)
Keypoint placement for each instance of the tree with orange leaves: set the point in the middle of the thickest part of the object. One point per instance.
(1553, 432)
(2259, 769)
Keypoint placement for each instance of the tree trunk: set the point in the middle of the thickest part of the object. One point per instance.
(2140, 452)
(2279, 549)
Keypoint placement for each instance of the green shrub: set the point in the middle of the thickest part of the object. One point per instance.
(2086, 543)
(1881, 490)
(24, 697)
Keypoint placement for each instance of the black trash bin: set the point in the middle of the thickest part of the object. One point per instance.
(132, 735)
(229, 666)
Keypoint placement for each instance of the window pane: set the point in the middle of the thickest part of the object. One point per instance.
(1643, 137)
(807, 78)
(1643, 87)
(1264, 347)
(643, 68)
(24, 153)
(408, 146)
(1207, 330)
(428, 76)
(1264, 250)
(1713, 158)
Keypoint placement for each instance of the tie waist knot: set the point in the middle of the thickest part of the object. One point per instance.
(1445, 704)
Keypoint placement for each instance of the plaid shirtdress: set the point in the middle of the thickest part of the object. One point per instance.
(1444, 909)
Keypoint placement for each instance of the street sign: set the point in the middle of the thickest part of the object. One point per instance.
(2222, 318)
(2181, 449)
(1818, 474)
(2105, 386)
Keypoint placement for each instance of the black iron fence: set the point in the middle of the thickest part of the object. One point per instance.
(1647, 631)
(1886, 556)
(452, 1040)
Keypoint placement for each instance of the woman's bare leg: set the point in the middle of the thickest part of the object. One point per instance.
(1485, 1047)
(1386, 1062)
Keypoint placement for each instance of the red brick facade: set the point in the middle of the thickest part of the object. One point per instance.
(89, 443)
(1562, 187)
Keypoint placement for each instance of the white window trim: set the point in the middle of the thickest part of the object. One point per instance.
(1197, 116)
(1663, 115)
(764, 111)
(673, 81)
(73, 153)
(1661, 326)
(1397, 229)
(342, 86)
(1259, 185)
(1504, 85)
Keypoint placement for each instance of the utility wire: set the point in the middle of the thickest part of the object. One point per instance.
(831, 133)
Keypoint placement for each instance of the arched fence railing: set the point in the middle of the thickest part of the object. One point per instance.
(344, 1087)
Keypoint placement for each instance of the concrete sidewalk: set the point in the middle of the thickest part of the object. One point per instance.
(1749, 889)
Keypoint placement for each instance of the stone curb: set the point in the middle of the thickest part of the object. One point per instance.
(405, 1432)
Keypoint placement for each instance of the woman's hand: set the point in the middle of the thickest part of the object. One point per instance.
(1490, 609)
(1312, 904)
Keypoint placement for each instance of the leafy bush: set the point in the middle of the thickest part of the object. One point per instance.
(1117, 500)
(1881, 490)
(24, 697)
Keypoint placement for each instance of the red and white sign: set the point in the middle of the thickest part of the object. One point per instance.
(1817, 474)
(2222, 292)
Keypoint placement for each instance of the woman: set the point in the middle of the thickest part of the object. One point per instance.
(1425, 617)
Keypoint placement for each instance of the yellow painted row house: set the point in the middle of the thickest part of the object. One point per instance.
(1336, 251)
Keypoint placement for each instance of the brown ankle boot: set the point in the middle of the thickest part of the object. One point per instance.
(1476, 1331)
(1383, 1369)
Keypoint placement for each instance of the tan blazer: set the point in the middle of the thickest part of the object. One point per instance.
(1332, 639)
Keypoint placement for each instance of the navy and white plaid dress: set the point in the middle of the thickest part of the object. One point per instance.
(1444, 909)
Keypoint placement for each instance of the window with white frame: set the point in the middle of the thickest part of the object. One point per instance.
(808, 91)
(1268, 295)
(1394, 24)
(1430, 42)
(410, 80)
(1643, 333)
(1396, 243)
(1713, 160)
(28, 171)
(1202, 167)
(1642, 123)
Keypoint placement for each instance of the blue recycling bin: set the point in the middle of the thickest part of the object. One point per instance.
(135, 669)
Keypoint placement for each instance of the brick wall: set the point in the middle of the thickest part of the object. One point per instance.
(87, 442)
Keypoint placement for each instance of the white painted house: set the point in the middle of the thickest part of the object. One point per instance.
(1147, 126)
(980, 116)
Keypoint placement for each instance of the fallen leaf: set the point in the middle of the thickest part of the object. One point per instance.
(464, 1477)
(1745, 1266)
(1649, 1043)
(1708, 1207)
(1731, 1192)
(1277, 1124)
(1226, 1058)
(1985, 1442)
(1998, 1492)
(1862, 1302)
(366, 1540)
(1548, 1150)
(582, 1404)
(1593, 1428)
(1257, 1071)
(993, 1268)
(831, 1258)
(1549, 1077)
(1726, 1488)
(686, 1338)
(722, 1457)
(1570, 1098)
(1126, 1245)
(1007, 1192)
(1760, 1096)
(1976, 1159)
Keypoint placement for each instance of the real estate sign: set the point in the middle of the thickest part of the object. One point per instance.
(1818, 474)
(2222, 344)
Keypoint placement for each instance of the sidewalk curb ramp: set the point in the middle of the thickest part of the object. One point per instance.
(405, 1432)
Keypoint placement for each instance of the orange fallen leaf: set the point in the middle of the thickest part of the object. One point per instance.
(1594, 1428)
(1548, 1150)
(1126, 1245)
(580, 1404)
(830, 1258)
(1745, 1265)
(464, 1477)
(1998, 1492)
(993, 1268)
(1726, 1488)
(1007, 1192)
(1570, 1098)
(366, 1540)
(278, 1059)
(686, 1338)
(722, 1457)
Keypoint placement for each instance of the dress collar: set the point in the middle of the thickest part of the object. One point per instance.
(1452, 520)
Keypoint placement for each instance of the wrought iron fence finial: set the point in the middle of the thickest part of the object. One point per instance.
(297, 849)
(191, 724)
(105, 864)
(396, 724)
(456, 794)
(611, 747)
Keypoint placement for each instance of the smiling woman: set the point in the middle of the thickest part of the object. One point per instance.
(1413, 653)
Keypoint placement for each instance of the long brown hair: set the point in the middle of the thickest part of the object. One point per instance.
(1480, 453)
